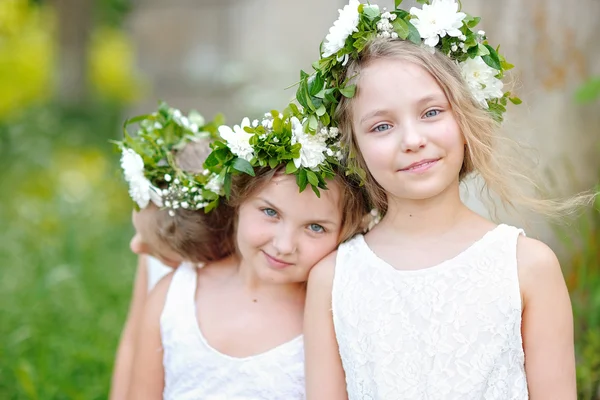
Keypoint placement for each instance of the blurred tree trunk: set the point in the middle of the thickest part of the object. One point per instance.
(74, 26)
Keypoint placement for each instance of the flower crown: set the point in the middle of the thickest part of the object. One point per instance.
(439, 25)
(278, 140)
(148, 160)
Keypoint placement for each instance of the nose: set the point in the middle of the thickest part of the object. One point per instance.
(284, 241)
(412, 140)
(137, 245)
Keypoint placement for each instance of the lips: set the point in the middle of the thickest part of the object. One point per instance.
(275, 262)
(421, 165)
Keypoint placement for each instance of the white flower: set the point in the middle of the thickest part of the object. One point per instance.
(141, 189)
(215, 184)
(238, 140)
(313, 146)
(438, 19)
(342, 28)
(482, 80)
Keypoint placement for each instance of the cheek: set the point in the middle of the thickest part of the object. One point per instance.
(377, 151)
(251, 230)
(137, 245)
(315, 250)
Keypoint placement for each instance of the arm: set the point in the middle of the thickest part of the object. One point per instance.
(547, 327)
(124, 358)
(147, 378)
(325, 378)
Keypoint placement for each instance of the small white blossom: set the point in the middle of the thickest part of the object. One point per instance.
(255, 123)
(185, 205)
(482, 80)
(238, 140)
(167, 178)
(438, 19)
(344, 26)
(462, 37)
(481, 33)
(394, 35)
(454, 47)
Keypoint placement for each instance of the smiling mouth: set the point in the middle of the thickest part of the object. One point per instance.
(276, 262)
(421, 165)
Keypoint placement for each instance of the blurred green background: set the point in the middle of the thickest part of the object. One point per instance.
(70, 73)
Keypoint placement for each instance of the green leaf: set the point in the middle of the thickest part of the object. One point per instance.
(227, 185)
(137, 119)
(325, 119)
(515, 100)
(482, 50)
(241, 165)
(423, 1)
(312, 178)
(315, 85)
(312, 123)
(472, 21)
(589, 91)
(413, 35)
(397, 3)
(301, 179)
(316, 191)
(212, 160)
(492, 59)
(348, 91)
(294, 109)
(290, 168)
(321, 110)
(273, 163)
(370, 12)
(401, 28)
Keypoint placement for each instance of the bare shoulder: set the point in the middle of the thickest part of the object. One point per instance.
(321, 275)
(538, 266)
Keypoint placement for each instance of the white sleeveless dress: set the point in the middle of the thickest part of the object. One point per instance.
(156, 271)
(195, 370)
(452, 331)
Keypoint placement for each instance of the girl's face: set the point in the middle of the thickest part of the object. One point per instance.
(406, 130)
(282, 233)
(146, 241)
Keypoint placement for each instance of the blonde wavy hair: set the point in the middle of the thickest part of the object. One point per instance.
(493, 157)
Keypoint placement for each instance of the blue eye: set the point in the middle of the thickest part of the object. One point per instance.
(269, 212)
(316, 228)
(432, 113)
(382, 127)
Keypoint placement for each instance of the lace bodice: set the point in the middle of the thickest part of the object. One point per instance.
(452, 331)
(195, 370)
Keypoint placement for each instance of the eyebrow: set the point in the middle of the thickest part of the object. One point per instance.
(318, 222)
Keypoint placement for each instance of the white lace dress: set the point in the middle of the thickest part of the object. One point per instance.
(195, 370)
(452, 331)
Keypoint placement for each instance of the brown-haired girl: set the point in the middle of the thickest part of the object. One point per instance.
(165, 237)
(233, 328)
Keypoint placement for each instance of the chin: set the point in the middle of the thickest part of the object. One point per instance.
(423, 190)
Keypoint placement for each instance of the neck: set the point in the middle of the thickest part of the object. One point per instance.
(425, 217)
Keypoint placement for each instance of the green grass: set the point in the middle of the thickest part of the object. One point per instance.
(66, 271)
